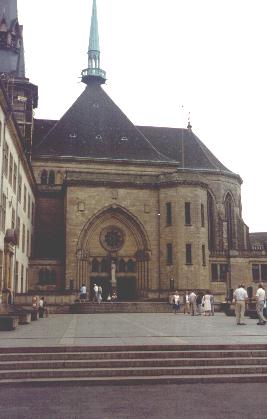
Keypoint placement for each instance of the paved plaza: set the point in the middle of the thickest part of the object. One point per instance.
(134, 329)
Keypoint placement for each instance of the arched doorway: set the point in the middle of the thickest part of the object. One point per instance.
(113, 251)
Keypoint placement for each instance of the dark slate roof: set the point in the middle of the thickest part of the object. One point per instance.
(96, 128)
(174, 142)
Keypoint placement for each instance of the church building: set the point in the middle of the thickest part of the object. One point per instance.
(146, 210)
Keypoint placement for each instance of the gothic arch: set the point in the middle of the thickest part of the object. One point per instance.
(124, 216)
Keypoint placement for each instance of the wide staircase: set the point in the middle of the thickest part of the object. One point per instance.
(121, 307)
(154, 364)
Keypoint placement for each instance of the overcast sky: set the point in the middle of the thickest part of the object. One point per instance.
(208, 56)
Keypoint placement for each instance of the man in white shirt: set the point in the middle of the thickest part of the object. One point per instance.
(260, 300)
(240, 298)
(83, 292)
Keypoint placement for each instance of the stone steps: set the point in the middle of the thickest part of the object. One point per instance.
(89, 307)
(133, 364)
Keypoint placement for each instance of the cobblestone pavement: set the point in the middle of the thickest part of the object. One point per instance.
(134, 329)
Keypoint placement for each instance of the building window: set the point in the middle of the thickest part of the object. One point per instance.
(259, 272)
(202, 216)
(18, 231)
(219, 272)
(51, 178)
(15, 177)
(19, 187)
(29, 206)
(5, 161)
(28, 243)
(211, 222)
(16, 285)
(3, 221)
(0, 136)
(25, 199)
(23, 238)
(168, 213)
(13, 218)
(203, 255)
(121, 266)
(104, 265)
(22, 278)
(169, 254)
(44, 177)
(130, 266)
(47, 277)
(10, 175)
(188, 254)
(229, 218)
(187, 211)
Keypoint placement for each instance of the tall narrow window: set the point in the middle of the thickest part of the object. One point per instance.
(19, 187)
(1, 268)
(187, 211)
(188, 254)
(28, 243)
(229, 218)
(203, 255)
(18, 231)
(15, 178)
(29, 206)
(51, 177)
(23, 238)
(33, 210)
(10, 174)
(202, 216)
(169, 254)
(168, 213)
(13, 219)
(3, 226)
(5, 162)
(44, 177)
(256, 272)
(211, 222)
(16, 277)
(22, 278)
(25, 199)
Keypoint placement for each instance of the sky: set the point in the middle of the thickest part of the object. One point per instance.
(164, 60)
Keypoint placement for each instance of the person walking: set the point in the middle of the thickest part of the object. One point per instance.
(199, 303)
(207, 304)
(176, 302)
(99, 294)
(240, 297)
(260, 300)
(95, 298)
(186, 303)
(83, 292)
(192, 303)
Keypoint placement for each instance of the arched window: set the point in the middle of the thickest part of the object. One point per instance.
(95, 265)
(104, 265)
(130, 266)
(229, 215)
(121, 266)
(44, 177)
(51, 178)
(53, 277)
(211, 222)
(41, 276)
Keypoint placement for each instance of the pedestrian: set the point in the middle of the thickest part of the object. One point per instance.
(176, 302)
(99, 294)
(212, 304)
(199, 303)
(41, 307)
(260, 301)
(186, 303)
(192, 303)
(206, 304)
(240, 297)
(95, 298)
(83, 292)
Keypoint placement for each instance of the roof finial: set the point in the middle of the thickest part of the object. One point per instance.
(189, 126)
(94, 72)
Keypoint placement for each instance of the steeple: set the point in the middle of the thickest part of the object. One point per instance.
(94, 72)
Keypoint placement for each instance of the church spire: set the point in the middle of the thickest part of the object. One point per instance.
(94, 72)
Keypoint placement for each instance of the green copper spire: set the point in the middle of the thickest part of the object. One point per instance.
(94, 72)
